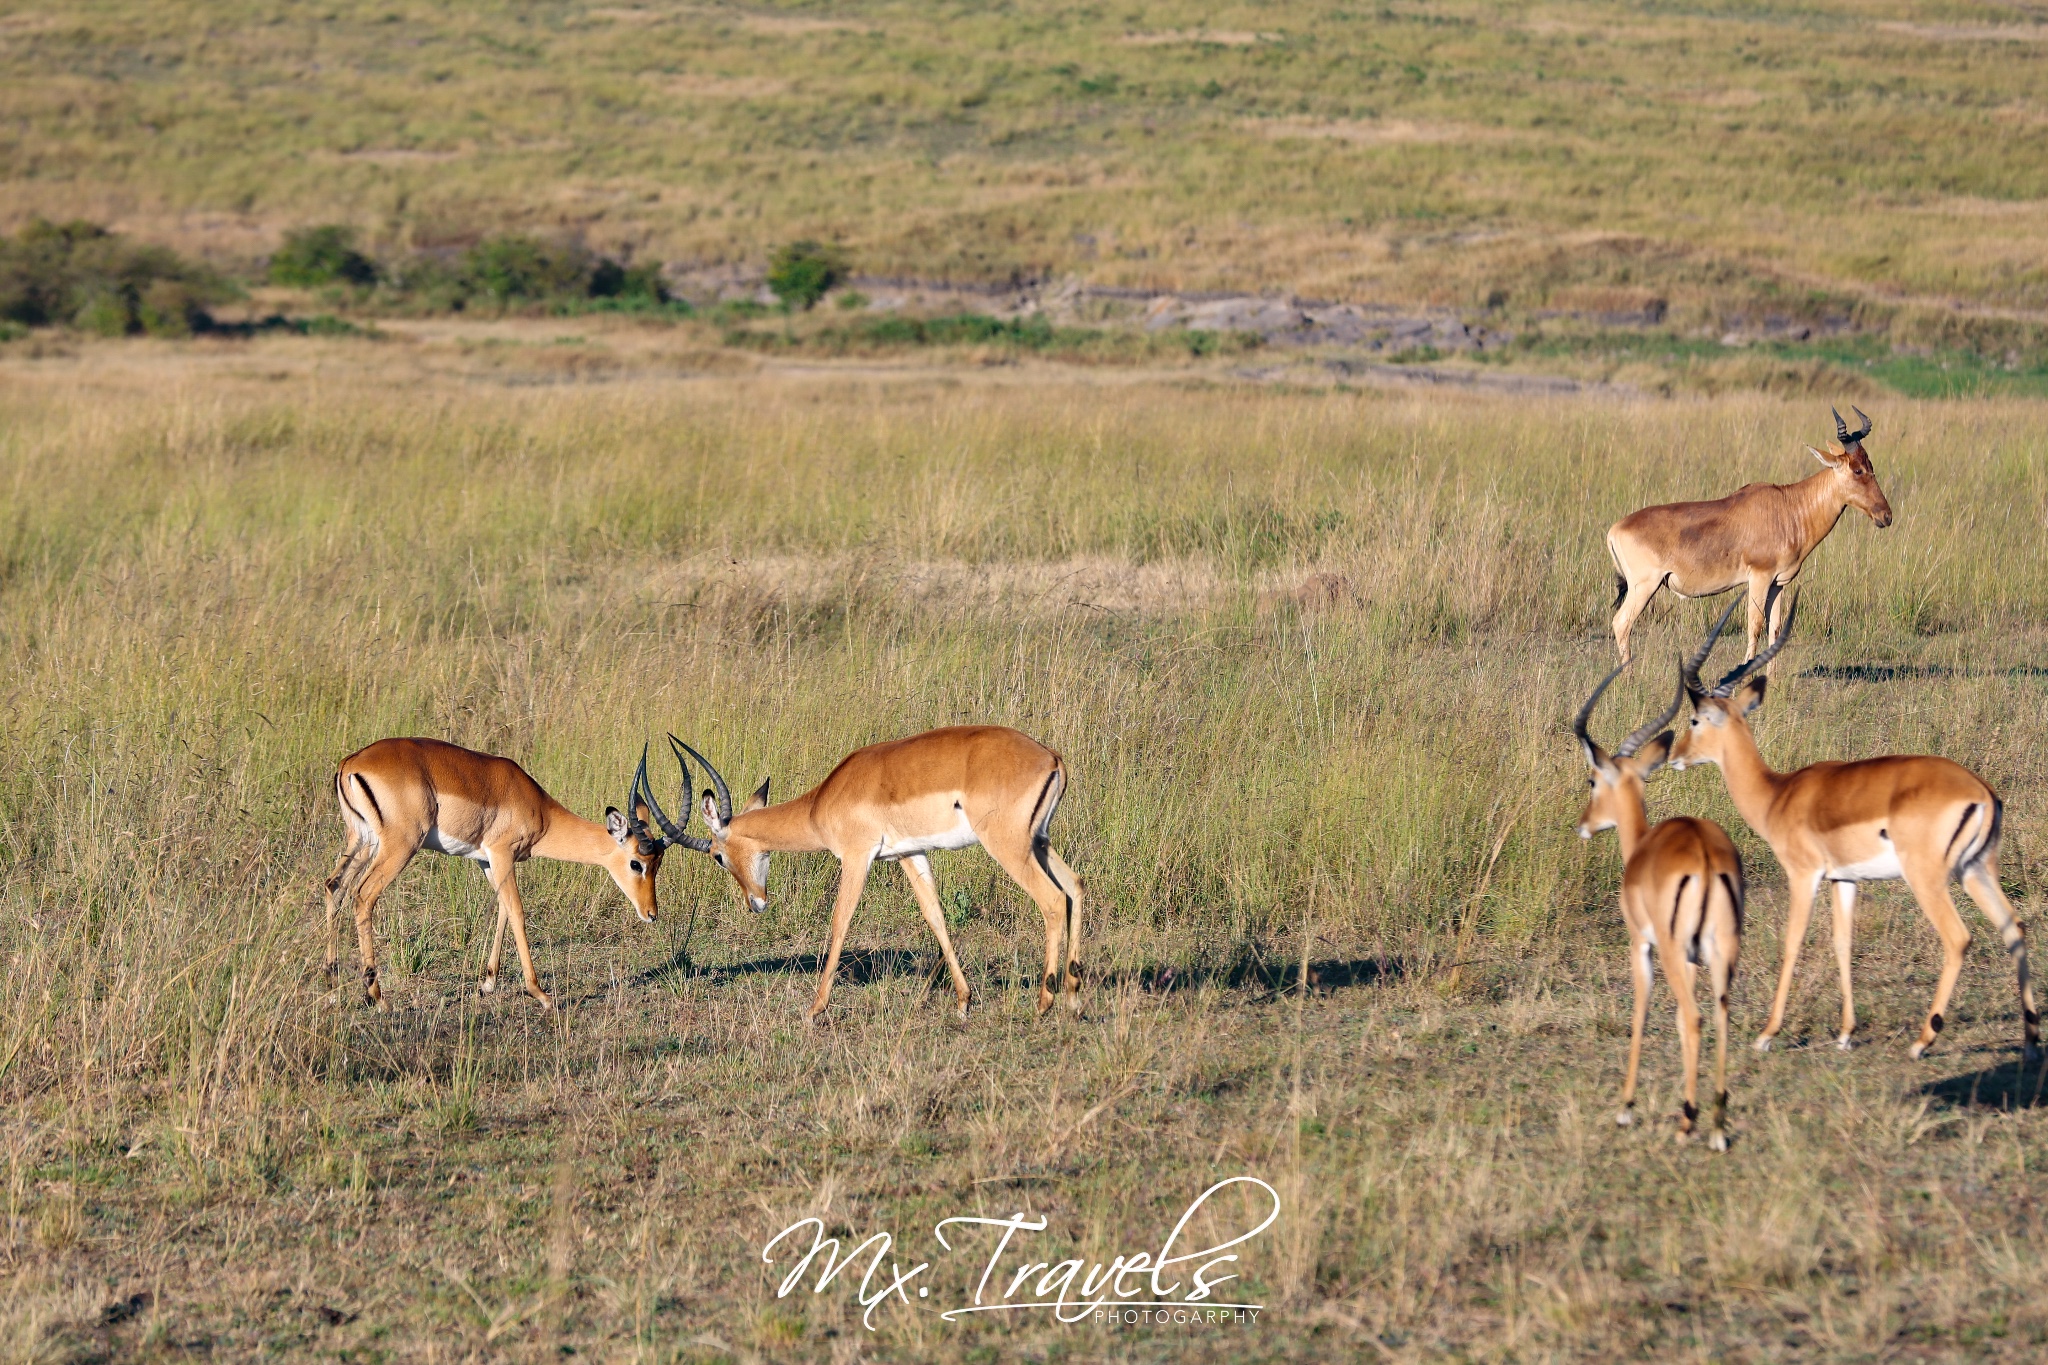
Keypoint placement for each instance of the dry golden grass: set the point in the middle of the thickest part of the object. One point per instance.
(1750, 160)
(1309, 656)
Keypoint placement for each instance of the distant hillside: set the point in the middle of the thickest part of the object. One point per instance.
(1717, 159)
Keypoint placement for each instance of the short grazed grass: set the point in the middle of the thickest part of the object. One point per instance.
(1310, 658)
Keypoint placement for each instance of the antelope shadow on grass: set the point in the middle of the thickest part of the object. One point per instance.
(1250, 969)
(1916, 672)
(2007, 1086)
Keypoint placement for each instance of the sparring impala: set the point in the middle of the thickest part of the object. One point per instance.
(898, 802)
(1757, 536)
(1681, 896)
(402, 795)
(1921, 819)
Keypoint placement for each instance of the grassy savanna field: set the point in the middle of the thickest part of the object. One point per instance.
(1884, 161)
(1310, 657)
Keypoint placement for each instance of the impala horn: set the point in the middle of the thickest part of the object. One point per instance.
(1586, 714)
(1643, 734)
(1689, 667)
(1748, 666)
(723, 792)
(1843, 434)
(671, 832)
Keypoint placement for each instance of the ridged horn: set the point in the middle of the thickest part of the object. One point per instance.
(1644, 734)
(1689, 667)
(723, 792)
(696, 843)
(1748, 666)
(643, 788)
(1586, 714)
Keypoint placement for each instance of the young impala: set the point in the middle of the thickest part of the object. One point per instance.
(1757, 536)
(402, 795)
(897, 802)
(1921, 819)
(1681, 895)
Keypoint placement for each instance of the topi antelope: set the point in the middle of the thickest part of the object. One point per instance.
(1681, 895)
(1757, 536)
(898, 802)
(399, 796)
(1924, 820)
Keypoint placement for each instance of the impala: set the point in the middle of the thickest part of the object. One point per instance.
(1757, 536)
(1681, 896)
(898, 802)
(1924, 820)
(402, 795)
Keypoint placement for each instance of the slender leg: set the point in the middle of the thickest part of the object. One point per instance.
(389, 862)
(1056, 903)
(1930, 888)
(917, 870)
(1980, 879)
(340, 878)
(1640, 591)
(1845, 928)
(512, 911)
(1684, 978)
(1640, 975)
(1720, 966)
(1802, 886)
(853, 876)
(1759, 592)
(1070, 882)
(490, 981)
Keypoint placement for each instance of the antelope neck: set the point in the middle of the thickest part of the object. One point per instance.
(1822, 501)
(569, 838)
(786, 827)
(1752, 786)
(1631, 822)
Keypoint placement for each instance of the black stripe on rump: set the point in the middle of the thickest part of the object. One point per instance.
(370, 796)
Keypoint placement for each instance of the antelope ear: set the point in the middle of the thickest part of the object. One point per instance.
(1829, 460)
(1750, 695)
(615, 824)
(759, 798)
(710, 808)
(1654, 755)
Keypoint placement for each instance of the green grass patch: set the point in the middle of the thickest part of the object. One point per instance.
(1027, 335)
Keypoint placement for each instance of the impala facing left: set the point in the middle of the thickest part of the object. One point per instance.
(402, 795)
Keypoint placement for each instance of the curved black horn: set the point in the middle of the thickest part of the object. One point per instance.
(1586, 714)
(1750, 665)
(1841, 427)
(717, 783)
(694, 842)
(1689, 667)
(1642, 735)
(1856, 436)
(642, 788)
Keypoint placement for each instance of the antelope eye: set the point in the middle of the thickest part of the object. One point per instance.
(719, 858)
(636, 866)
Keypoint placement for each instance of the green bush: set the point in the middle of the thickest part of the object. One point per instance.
(171, 308)
(101, 282)
(801, 273)
(321, 255)
(611, 280)
(514, 267)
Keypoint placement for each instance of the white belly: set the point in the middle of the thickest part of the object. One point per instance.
(437, 842)
(1883, 868)
(959, 834)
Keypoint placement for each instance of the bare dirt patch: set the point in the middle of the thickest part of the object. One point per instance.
(1374, 132)
(1972, 33)
(725, 87)
(1218, 37)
